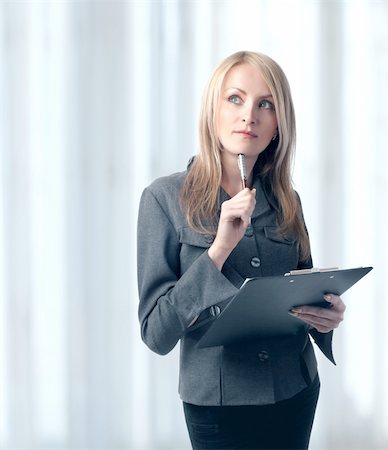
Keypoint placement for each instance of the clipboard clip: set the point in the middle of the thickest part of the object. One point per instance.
(312, 270)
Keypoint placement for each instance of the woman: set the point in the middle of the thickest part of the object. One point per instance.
(200, 235)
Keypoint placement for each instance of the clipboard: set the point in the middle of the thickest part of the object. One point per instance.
(261, 307)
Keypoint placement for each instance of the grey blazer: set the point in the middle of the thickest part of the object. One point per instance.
(178, 282)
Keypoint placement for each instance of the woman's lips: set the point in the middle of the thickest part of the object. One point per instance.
(246, 133)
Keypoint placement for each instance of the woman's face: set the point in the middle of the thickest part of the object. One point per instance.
(246, 118)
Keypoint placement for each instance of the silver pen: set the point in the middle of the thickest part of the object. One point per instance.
(243, 170)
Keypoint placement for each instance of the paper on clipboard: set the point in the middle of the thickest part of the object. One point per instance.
(260, 308)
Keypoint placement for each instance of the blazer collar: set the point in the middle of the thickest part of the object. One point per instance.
(267, 189)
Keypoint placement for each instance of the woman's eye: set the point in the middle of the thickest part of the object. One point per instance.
(266, 104)
(234, 99)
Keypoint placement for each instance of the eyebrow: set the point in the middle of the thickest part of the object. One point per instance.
(243, 92)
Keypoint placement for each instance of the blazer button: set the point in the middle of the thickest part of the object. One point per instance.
(249, 231)
(263, 355)
(255, 262)
(215, 310)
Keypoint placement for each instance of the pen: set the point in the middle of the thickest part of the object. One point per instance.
(243, 170)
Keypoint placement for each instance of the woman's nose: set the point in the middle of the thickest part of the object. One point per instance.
(249, 120)
(249, 117)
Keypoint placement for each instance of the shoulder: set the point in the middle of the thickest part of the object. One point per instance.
(297, 197)
(299, 203)
(167, 189)
(168, 184)
(164, 193)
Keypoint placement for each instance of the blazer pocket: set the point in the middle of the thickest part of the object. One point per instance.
(190, 237)
(280, 252)
(273, 234)
(193, 245)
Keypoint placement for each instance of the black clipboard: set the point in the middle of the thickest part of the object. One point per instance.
(260, 308)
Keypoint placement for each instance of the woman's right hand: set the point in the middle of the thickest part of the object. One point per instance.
(234, 219)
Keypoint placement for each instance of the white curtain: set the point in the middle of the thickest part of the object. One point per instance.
(98, 98)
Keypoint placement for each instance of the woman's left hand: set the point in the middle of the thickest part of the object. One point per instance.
(323, 319)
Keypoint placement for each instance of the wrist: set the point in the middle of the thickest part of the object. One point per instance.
(218, 255)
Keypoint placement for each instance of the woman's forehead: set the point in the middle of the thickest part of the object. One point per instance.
(246, 77)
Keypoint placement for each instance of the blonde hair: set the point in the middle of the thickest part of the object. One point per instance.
(199, 197)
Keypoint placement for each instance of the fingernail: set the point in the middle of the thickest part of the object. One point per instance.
(327, 297)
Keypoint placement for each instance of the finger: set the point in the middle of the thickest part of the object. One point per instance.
(246, 221)
(318, 320)
(314, 311)
(246, 196)
(236, 210)
(246, 190)
(319, 315)
(335, 306)
(245, 193)
(244, 199)
(322, 325)
(237, 213)
(321, 328)
(336, 301)
(247, 204)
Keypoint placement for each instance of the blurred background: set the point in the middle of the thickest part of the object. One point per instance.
(97, 99)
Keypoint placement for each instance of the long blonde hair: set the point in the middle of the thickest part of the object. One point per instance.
(199, 196)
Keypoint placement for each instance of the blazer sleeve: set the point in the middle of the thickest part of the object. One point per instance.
(169, 301)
